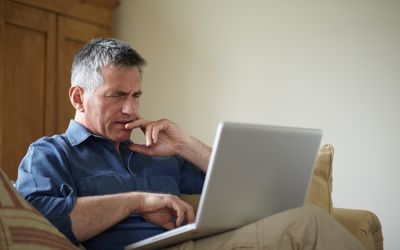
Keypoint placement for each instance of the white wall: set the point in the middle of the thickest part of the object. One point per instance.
(333, 65)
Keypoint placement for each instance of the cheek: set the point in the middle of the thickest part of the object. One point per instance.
(110, 113)
(98, 112)
(112, 109)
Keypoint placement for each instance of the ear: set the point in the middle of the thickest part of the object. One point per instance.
(76, 98)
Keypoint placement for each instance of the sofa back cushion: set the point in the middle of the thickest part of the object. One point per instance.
(320, 189)
(22, 226)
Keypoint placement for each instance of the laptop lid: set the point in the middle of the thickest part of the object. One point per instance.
(254, 172)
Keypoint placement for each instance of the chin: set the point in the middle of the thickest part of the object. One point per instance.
(121, 137)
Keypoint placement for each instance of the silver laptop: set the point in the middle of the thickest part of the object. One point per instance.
(254, 171)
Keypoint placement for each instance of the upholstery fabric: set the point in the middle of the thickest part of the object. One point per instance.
(364, 225)
(22, 226)
(320, 189)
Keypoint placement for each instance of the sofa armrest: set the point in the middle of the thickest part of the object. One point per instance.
(363, 224)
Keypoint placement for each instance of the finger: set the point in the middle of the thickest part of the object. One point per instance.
(176, 208)
(148, 133)
(154, 133)
(161, 125)
(156, 127)
(180, 216)
(187, 215)
(190, 215)
(142, 149)
(163, 218)
(169, 225)
(138, 123)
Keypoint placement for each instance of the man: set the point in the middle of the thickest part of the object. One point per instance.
(104, 191)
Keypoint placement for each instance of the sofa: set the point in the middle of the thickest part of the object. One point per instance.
(23, 227)
(363, 224)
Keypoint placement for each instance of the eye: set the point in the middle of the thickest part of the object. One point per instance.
(137, 94)
(116, 95)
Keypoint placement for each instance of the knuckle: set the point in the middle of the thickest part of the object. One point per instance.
(163, 121)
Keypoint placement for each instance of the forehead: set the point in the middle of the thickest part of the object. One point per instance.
(121, 77)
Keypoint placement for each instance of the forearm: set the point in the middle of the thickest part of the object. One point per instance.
(196, 152)
(94, 214)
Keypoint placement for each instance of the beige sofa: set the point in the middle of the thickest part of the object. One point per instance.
(363, 224)
(23, 227)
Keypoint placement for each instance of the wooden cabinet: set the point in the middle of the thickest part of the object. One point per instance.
(28, 75)
(72, 35)
(37, 41)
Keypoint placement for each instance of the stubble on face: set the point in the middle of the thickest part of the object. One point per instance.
(114, 103)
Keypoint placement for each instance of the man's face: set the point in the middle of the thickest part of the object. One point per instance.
(114, 103)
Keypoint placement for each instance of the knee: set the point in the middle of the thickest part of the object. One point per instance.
(308, 221)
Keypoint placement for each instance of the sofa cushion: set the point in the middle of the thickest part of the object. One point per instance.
(320, 189)
(22, 226)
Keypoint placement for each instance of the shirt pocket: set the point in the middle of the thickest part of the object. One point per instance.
(103, 184)
(163, 184)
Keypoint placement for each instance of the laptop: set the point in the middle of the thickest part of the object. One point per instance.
(254, 171)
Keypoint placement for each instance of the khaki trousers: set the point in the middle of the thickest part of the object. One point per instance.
(306, 227)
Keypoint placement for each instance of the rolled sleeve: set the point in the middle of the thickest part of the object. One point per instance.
(44, 182)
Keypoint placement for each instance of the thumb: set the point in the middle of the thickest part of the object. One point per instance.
(169, 225)
(142, 149)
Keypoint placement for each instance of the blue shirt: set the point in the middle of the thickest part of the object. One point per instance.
(58, 169)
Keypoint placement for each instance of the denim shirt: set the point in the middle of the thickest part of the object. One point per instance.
(58, 169)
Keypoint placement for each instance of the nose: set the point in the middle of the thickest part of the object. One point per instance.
(130, 106)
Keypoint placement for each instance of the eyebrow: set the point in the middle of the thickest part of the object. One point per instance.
(116, 92)
(121, 92)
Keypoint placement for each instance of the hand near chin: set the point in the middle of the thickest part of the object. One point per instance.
(163, 137)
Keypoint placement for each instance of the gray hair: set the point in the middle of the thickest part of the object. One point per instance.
(98, 53)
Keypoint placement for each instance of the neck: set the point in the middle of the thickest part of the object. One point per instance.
(116, 145)
(79, 118)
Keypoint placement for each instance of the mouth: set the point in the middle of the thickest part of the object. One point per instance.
(123, 122)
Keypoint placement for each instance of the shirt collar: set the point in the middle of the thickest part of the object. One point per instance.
(77, 133)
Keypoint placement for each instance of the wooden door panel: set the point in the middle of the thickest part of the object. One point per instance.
(37, 41)
(28, 60)
(72, 35)
(2, 70)
(95, 11)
